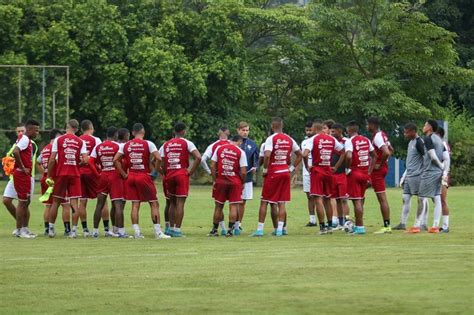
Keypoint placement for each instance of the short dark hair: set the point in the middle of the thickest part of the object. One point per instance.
(137, 127)
(122, 133)
(223, 129)
(440, 131)
(374, 120)
(317, 121)
(277, 120)
(329, 123)
(179, 127)
(20, 125)
(354, 125)
(410, 126)
(236, 138)
(111, 132)
(309, 124)
(31, 122)
(337, 126)
(73, 123)
(54, 133)
(433, 123)
(86, 124)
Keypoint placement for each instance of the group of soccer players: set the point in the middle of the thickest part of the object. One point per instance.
(335, 169)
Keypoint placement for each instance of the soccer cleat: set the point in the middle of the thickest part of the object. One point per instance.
(236, 232)
(161, 235)
(139, 235)
(310, 224)
(400, 227)
(433, 230)
(25, 234)
(278, 233)
(110, 234)
(359, 230)
(45, 233)
(424, 227)
(86, 233)
(446, 230)
(257, 233)
(214, 233)
(413, 230)
(95, 235)
(323, 231)
(329, 230)
(73, 234)
(229, 233)
(223, 232)
(16, 232)
(285, 232)
(339, 228)
(384, 230)
(168, 231)
(51, 233)
(177, 234)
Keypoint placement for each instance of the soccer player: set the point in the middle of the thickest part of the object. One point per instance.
(445, 182)
(431, 176)
(43, 161)
(251, 151)
(360, 160)
(229, 169)
(110, 183)
(277, 171)
(339, 178)
(88, 180)
(263, 204)
(308, 129)
(175, 154)
(223, 139)
(383, 150)
(411, 177)
(321, 147)
(138, 184)
(330, 203)
(67, 152)
(23, 154)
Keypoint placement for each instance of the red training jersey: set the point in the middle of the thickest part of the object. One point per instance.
(229, 158)
(137, 153)
(175, 155)
(213, 146)
(69, 149)
(26, 152)
(380, 139)
(322, 147)
(104, 154)
(44, 156)
(91, 142)
(281, 147)
(360, 147)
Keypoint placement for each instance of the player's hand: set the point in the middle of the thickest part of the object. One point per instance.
(264, 172)
(444, 180)
(402, 181)
(348, 171)
(124, 175)
(377, 167)
(49, 181)
(333, 169)
(291, 168)
(25, 170)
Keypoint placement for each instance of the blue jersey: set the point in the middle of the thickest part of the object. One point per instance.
(251, 151)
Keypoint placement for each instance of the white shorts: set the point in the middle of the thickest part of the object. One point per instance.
(10, 191)
(306, 183)
(247, 193)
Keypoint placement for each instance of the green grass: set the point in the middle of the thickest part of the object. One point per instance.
(302, 273)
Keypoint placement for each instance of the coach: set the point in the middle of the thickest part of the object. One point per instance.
(251, 151)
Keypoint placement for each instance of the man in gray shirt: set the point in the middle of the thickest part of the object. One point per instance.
(411, 178)
(430, 181)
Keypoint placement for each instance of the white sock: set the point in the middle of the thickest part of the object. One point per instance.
(96, 231)
(74, 228)
(237, 224)
(177, 229)
(280, 225)
(24, 230)
(424, 218)
(445, 222)
(121, 231)
(136, 228)
(260, 226)
(421, 214)
(437, 211)
(405, 209)
(222, 225)
(312, 218)
(167, 224)
(114, 229)
(157, 228)
(51, 226)
(334, 219)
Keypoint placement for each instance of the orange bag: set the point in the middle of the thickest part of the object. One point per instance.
(8, 165)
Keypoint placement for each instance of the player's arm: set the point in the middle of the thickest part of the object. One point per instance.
(447, 164)
(340, 162)
(93, 166)
(243, 174)
(373, 159)
(305, 160)
(118, 165)
(213, 170)
(339, 147)
(204, 164)
(299, 157)
(19, 162)
(432, 153)
(197, 160)
(256, 160)
(39, 165)
(51, 163)
(156, 161)
(385, 155)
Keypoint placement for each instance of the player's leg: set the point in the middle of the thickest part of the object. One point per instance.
(134, 216)
(105, 219)
(406, 199)
(21, 217)
(46, 218)
(8, 196)
(328, 208)
(81, 214)
(233, 216)
(8, 203)
(167, 216)
(66, 216)
(118, 214)
(262, 213)
(436, 214)
(101, 202)
(281, 218)
(274, 214)
(112, 217)
(312, 214)
(445, 209)
(359, 216)
(217, 218)
(320, 211)
(155, 218)
(53, 213)
(240, 212)
(385, 210)
(179, 215)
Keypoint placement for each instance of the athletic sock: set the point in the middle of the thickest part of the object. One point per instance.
(222, 225)
(322, 226)
(157, 228)
(84, 225)
(237, 225)
(96, 231)
(312, 218)
(405, 209)
(176, 229)
(136, 228)
(51, 226)
(74, 228)
(106, 225)
(329, 223)
(67, 227)
(334, 219)
(167, 224)
(215, 226)
(260, 226)
(445, 222)
(437, 211)
(386, 223)
(114, 229)
(121, 231)
(341, 220)
(280, 226)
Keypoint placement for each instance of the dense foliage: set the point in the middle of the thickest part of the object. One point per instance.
(210, 62)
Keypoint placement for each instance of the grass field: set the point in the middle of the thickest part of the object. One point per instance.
(302, 273)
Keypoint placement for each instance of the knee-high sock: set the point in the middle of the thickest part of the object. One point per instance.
(421, 212)
(405, 208)
(437, 211)
(424, 218)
